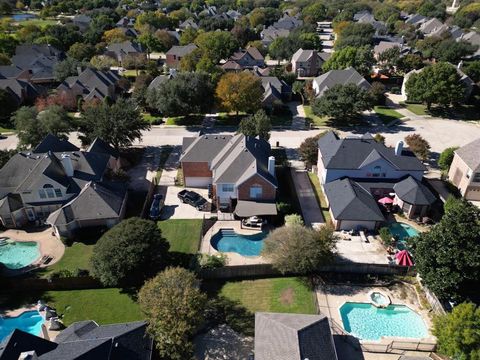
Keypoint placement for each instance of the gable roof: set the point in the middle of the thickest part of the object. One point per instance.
(181, 50)
(124, 48)
(350, 201)
(54, 144)
(20, 341)
(251, 50)
(91, 83)
(100, 146)
(470, 154)
(335, 77)
(20, 90)
(385, 45)
(293, 337)
(302, 55)
(354, 153)
(414, 192)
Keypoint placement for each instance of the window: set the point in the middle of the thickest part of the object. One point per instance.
(58, 192)
(256, 192)
(50, 193)
(476, 177)
(42, 194)
(227, 187)
(376, 171)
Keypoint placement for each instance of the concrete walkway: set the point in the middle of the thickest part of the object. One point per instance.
(298, 115)
(311, 211)
(170, 168)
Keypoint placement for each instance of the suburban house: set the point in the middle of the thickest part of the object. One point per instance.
(63, 186)
(239, 168)
(189, 23)
(21, 91)
(280, 28)
(119, 51)
(176, 53)
(244, 59)
(275, 91)
(307, 63)
(293, 337)
(433, 27)
(126, 22)
(39, 60)
(82, 340)
(383, 46)
(464, 171)
(338, 77)
(91, 84)
(355, 172)
(366, 17)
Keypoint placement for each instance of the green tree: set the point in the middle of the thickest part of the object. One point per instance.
(448, 256)
(314, 13)
(418, 145)
(173, 305)
(343, 102)
(81, 52)
(216, 45)
(308, 150)
(8, 106)
(298, 88)
(409, 62)
(129, 253)
(360, 58)
(453, 51)
(118, 124)
(437, 84)
(33, 126)
(293, 220)
(6, 155)
(188, 36)
(446, 158)
(379, 138)
(239, 92)
(457, 332)
(185, 94)
(7, 44)
(472, 69)
(66, 68)
(257, 125)
(297, 249)
(356, 35)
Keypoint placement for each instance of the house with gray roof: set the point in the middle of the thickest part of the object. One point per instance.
(293, 337)
(356, 172)
(464, 171)
(39, 60)
(84, 340)
(275, 91)
(189, 23)
(338, 77)
(433, 27)
(244, 59)
(122, 50)
(57, 183)
(82, 21)
(306, 63)
(366, 17)
(239, 168)
(21, 91)
(91, 84)
(176, 53)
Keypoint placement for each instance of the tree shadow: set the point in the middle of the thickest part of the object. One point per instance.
(221, 310)
(348, 347)
(12, 300)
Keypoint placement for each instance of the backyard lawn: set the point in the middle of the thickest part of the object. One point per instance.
(387, 115)
(285, 295)
(319, 195)
(105, 306)
(76, 257)
(314, 119)
(182, 234)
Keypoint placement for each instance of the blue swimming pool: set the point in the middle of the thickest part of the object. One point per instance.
(29, 321)
(227, 240)
(401, 232)
(17, 255)
(367, 322)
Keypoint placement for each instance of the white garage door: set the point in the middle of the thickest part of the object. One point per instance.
(198, 182)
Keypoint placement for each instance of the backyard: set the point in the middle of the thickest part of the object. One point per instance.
(77, 256)
(182, 234)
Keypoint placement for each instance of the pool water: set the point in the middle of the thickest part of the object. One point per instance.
(23, 17)
(402, 231)
(29, 321)
(16, 255)
(227, 240)
(367, 322)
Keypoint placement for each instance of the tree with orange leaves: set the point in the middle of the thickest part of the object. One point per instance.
(239, 92)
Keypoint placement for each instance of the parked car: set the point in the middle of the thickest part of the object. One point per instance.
(193, 199)
(156, 207)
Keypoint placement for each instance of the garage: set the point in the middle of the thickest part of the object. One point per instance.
(198, 182)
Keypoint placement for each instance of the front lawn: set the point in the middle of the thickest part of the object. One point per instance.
(105, 306)
(284, 295)
(182, 234)
(189, 120)
(5, 130)
(386, 114)
(152, 119)
(130, 73)
(314, 119)
(417, 109)
(319, 195)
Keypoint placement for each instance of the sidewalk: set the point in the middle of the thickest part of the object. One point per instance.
(298, 115)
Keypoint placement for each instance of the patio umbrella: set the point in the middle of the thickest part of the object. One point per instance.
(403, 258)
(385, 200)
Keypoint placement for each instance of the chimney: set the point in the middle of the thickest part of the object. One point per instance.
(67, 164)
(271, 165)
(399, 148)
(79, 70)
(28, 355)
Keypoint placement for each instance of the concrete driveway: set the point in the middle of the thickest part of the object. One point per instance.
(175, 209)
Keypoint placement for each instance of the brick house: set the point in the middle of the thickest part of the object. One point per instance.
(464, 172)
(239, 168)
(176, 53)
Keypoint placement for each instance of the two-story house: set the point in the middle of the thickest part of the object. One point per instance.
(355, 172)
(61, 185)
(176, 53)
(464, 171)
(239, 168)
(308, 62)
(338, 77)
(244, 59)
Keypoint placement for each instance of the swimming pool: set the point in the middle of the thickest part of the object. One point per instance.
(16, 255)
(401, 232)
(28, 321)
(367, 322)
(227, 240)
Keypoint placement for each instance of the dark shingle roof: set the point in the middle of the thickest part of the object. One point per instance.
(340, 77)
(470, 154)
(54, 144)
(414, 192)
(100, 146)
(354, 153)
(350, 201)
(20, 341)
(293, 337)
(181, 50)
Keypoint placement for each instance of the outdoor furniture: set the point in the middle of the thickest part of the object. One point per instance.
(363, 237)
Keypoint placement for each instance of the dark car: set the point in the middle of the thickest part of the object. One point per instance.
(156, 207)
(192, 198)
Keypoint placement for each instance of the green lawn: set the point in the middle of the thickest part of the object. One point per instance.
(189, 120)
(320, 196)
(226, 119)
(285, 295)
(76, 257)
(105, 306)
(152, 119)
(387, 115)
(182, 234)
(37, 22)
(130, 73)
(5, 130)
(314, 119)
(417, 109)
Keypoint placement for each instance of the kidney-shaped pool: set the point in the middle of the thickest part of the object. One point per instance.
(227, 240)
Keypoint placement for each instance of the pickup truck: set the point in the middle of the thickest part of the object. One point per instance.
(193, 199)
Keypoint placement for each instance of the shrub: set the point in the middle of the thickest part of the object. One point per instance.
(386, 236)
(293, 219)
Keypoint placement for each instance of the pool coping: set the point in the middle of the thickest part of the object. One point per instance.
(44, 334)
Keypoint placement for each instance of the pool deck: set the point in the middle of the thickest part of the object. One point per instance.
(49, 245)
(233, 258)
(331, 297)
